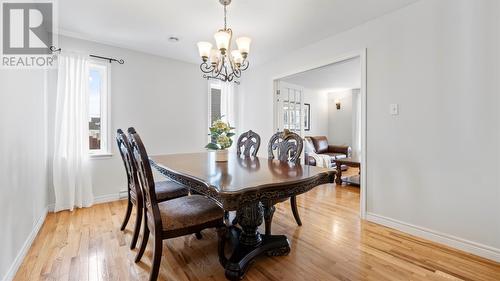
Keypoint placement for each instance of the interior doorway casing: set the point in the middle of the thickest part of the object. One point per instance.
(363, 92)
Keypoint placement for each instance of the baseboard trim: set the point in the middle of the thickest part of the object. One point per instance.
(106, 198)
(97, 200)
(14, 267)
(471, 247)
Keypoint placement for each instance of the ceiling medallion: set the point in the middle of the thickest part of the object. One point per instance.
(223, 63)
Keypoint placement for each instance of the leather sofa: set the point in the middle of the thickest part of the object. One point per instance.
(320, 145)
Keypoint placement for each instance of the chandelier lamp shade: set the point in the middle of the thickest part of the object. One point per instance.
(222, 62)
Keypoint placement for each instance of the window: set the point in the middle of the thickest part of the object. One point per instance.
(221, 102)
(291, 116)
(215, 104)
(98, 109)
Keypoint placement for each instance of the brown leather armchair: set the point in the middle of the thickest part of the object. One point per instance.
(319, 145)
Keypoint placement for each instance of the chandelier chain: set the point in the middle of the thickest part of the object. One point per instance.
(225, 17)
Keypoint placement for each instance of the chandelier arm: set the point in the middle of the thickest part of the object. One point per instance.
(244, 65)
(236, 73)
(233, 64)
(206, 68)
(230, 77)
(222, 62)
(216, 67)
(218, 76)
(228, 52)
(219, 73)
(222, 69)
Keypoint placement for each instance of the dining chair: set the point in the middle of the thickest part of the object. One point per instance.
(249, 142)
(165, 190)
(285, 146)
(172, 218)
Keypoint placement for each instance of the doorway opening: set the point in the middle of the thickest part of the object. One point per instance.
(326, 106)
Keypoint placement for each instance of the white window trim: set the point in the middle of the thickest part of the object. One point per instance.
(211, 85)
(106, 147)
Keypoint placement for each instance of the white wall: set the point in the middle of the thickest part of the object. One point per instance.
(436, 165)
(23, 167)
(164, 99)
(319, 112)
(340, 120)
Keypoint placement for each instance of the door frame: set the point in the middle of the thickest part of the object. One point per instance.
(362, 54)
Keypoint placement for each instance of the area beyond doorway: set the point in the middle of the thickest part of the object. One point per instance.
(303, 99)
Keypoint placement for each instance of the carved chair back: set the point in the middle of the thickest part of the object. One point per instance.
(145, 175)
(128, 162)
(250, 142)
(285, 146)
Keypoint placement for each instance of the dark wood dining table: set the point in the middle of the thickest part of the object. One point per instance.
(244, 185)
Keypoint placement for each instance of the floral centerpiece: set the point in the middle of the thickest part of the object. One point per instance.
(221, 133)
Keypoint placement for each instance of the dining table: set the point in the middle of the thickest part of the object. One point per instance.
(246, 185)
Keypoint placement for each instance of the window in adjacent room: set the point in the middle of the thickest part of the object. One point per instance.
(98, 109)
(216, 111)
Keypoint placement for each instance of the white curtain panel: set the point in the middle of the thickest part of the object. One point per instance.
(228, 91)
(356, 123)
(71, 167)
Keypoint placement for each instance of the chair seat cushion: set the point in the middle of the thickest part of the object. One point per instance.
(165, 190)
(188, 211)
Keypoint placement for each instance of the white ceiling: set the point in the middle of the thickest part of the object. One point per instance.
(331, 78)
(276, 26)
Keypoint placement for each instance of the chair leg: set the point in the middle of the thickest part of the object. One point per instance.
(155, 269)
(127, 215)
(226, 219)
(235, 221)
(268, 217)
(145, 237)
(137, 228)
(222, 233)
(295, 211)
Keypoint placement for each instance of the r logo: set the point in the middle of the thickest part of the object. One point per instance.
(27, 28)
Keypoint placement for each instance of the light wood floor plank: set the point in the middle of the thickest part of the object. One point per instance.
(333, 244)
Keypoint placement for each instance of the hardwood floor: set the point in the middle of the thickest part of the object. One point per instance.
(332, 244)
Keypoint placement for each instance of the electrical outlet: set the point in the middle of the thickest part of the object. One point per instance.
(394, 109)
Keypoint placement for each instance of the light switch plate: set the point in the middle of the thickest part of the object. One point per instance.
(394, 109)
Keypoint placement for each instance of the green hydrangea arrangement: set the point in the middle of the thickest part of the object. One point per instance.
(221, 135)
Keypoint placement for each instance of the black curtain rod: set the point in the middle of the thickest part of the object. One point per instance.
(120, 61)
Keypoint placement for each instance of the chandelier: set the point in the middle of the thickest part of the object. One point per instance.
(224, 63)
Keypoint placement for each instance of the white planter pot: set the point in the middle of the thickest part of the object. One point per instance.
(221, 155)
